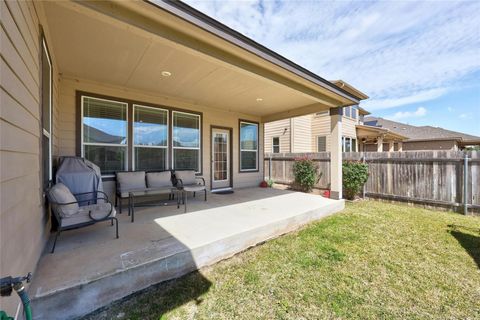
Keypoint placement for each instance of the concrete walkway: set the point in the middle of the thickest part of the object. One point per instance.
(90, 268)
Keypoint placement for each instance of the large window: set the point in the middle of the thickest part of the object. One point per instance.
(248, 146)
(46, 116)
(321, 143)
(150, 138)
(186, 141)
(276, 145)
(104, 133)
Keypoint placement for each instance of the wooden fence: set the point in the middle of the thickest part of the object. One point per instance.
(434, 178)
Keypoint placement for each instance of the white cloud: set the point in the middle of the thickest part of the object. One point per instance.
(463, 115)
(396, 52)
(401, 115)
(450, 109)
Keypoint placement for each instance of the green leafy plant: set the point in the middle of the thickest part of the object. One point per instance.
(270, 183)
(355, 175)
(305, 171)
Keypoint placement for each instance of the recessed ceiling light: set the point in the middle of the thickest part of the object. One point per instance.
(259, 99)
(166, 73)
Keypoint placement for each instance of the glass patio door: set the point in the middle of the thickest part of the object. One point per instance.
(220, 158)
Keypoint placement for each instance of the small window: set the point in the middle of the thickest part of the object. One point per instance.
(104, 133)
(354, 112)
(348, 145)
(186, 141)
(276, 145)
(346, 111)
(150, 138)
(248, 146)
(321, 143)
(354, 145)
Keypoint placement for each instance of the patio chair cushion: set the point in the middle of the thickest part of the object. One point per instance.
(99, 211)
(130, 181)
(194, 188)
(59, 193)
(159, 179)
(187, 177)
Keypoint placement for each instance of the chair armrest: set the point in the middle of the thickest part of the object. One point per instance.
(201, 178)
(91, 192)
(79, 201)
(103, 218)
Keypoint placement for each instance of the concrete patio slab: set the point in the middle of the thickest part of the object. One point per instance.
(90, 268)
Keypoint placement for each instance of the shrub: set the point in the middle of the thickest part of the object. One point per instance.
(355, 175)
(305, 171)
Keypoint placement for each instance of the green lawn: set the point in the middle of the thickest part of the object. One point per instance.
(371, 261)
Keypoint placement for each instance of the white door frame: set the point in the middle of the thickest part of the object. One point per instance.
(228, 182)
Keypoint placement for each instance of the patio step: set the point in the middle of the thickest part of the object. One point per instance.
(196, 239)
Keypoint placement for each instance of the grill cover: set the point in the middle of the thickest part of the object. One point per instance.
(79, 175)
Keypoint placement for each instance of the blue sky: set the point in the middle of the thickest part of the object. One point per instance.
(418, 61)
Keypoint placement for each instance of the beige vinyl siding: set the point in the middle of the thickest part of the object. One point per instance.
(20, 143)
(277, 129)
(67, 130)
(302, 132)
(349, 127)
(320, 127)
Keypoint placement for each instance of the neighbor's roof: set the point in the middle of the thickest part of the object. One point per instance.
(421, 133)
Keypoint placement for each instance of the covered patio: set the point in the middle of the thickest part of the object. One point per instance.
(90, 268)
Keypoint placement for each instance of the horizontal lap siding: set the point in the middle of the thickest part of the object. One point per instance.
(68, 117)
(321, 127)
(23, 226)
(302, 137)
(277, 129)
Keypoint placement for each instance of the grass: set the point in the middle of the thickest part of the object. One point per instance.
(372, 261)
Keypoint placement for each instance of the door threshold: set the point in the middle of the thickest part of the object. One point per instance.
(221, 189)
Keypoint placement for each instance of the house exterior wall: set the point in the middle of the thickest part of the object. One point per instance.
(430, 145)
(302, 131)
(24, 225)
(280, 129)
(305, 130)
(68, 117)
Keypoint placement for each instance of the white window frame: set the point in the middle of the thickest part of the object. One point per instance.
(48, 134)
(82, 143)
(248, 150)
(143, 146)
(273, 145)
(199, 148)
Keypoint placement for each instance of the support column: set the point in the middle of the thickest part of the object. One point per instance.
(380, 144)
(391, 146)
(336, 153)
(400, 146)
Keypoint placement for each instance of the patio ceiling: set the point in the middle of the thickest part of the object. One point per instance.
(89, 44)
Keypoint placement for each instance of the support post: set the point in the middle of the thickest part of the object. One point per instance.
(380, 144)
(336, 153)
(400, 146)
(391, 147)
(270, 167)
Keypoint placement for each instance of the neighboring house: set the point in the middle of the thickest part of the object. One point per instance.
(312, 133)
(122, 83)
(424, 137)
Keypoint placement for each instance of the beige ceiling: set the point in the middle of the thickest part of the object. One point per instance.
(89, 46)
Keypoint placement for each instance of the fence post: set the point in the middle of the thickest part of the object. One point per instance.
(363, 189)
(465, 184)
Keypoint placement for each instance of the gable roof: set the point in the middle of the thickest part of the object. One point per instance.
(418, 133)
